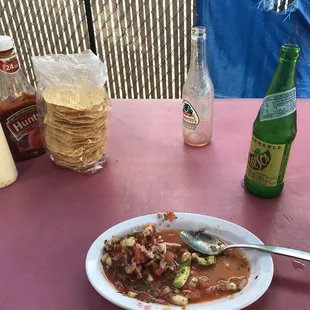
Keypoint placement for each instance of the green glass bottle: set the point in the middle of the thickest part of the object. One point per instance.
(274, 130)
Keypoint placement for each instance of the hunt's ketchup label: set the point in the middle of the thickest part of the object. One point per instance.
(19, 120)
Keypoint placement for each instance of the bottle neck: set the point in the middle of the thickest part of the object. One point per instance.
(198, 52)
(286, 67)
(284, 77)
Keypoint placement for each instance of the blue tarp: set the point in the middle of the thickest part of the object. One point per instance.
(244, 40)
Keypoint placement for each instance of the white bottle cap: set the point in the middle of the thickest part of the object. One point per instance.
(6, 43)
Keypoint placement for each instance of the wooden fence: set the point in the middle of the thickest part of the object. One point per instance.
(145, 44)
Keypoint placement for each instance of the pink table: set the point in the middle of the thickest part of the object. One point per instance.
(50, 217)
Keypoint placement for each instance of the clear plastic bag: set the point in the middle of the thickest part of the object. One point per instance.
(73, 108)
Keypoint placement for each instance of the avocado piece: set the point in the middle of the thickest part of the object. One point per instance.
(149, 278)
(231, 286)
(184, 270)
(193, 282)
(204, 261)
(186, 256)
(179, 300)
(132, 294)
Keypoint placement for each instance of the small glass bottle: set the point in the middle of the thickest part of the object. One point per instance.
(198, 94)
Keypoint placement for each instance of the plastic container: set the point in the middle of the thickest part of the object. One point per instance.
(18, 111)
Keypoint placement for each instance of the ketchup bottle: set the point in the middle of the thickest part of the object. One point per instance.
(18, 112)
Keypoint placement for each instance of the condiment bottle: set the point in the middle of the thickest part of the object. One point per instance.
(8, 171)
(198, 94)
(274, 130)
(18, 111)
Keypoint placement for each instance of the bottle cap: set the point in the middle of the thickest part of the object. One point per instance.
(6, 43)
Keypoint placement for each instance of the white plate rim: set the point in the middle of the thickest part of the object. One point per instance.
(144, 219)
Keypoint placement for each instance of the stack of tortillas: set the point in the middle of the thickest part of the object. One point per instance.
(75, 126)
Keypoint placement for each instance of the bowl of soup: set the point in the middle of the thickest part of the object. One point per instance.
(143, 262)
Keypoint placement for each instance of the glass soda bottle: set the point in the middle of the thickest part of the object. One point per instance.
(274, 130)
(198, 94)
(18, 112)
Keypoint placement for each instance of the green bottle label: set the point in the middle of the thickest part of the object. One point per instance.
(190, 116)
(267, 162)
(278, 105)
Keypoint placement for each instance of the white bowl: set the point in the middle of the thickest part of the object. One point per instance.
(261, 264)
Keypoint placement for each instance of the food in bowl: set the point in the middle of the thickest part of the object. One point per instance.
(157, 266)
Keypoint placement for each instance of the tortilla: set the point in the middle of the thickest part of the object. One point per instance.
(75, 126)
(84, 96)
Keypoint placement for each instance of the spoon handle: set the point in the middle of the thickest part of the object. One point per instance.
(274, 249)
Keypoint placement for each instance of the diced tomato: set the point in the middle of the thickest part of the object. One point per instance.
(169, 257)
(150, 224)
(170, 216)
(144, 298)
(154, 266)
(139, 255)
(117, 248)
(141, 239)
(159, 271)
(116, 256)
(193, 294)
(119, 286)
(165, 291)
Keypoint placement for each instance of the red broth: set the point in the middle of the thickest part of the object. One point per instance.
(139, 273)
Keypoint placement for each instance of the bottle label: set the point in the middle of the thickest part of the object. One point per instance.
(19, 119)
(22, 122)
(190, 116)
(278, 105)
(267, 162)
(9, 65)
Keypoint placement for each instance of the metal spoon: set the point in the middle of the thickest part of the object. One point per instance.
(211, 245)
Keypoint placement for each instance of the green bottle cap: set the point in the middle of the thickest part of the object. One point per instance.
(289, 52)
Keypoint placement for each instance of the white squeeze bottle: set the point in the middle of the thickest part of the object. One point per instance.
(8, 171)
